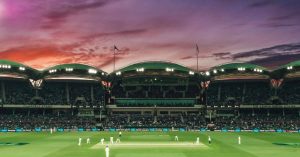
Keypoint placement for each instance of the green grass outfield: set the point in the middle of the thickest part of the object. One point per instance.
(150, 144)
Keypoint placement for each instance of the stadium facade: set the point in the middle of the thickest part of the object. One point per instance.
(152, 91)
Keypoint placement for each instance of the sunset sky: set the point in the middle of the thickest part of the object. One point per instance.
(44, 33)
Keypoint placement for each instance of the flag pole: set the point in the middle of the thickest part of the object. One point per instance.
(197, 48)
(197, 62)
(114, 57)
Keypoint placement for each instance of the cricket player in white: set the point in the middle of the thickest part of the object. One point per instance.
(107, 151)
(118, 140)
(209, 140)
(51, 130)
(120, 134)
(111, 140)
(102, 140)
(239, 140)
(198, 140)
(79, 141)
(176, 138)
(88, 140)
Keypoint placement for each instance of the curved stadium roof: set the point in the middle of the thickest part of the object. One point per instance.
(73, 71)
(14, 64)
(74, 66)
(155, 65)
(238, 65)
(294, 64)
(290, 70)
(15, 68)
(238, 71)
(82, 69)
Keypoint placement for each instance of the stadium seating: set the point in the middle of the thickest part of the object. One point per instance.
(162, 98)
(30, 122)
(236, 93)
(290, 92)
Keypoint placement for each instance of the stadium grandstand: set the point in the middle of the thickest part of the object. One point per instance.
(153, 94)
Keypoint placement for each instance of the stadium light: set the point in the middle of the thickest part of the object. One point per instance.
(215, 71)
(222, 70)
(69, 69)
(207, 73)
(258, 70)
(92, 71)
(118, 73)
(191, 72)
(52, 71)
(5, 66)
(289, 67)
(169, 69)
(140, 69)
(22, 68)
(241, 69)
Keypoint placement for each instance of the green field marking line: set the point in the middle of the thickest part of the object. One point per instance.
(152, 144)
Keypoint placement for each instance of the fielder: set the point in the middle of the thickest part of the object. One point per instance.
(111, 140)
(106, 151)
(239, 140)
(88, 140)
(209, 140)
(197, 140)
(79, 141)
(120, 134)
(51, 130)
(102, 141)
(176, 138)
(118, 140)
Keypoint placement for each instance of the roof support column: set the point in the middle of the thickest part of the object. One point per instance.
(219, 92)
(92, 93)
(244, 93)
(67, 93)
(3, 92)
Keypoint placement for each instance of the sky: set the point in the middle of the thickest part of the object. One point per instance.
(44, 33)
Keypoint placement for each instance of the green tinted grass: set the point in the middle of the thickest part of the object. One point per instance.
(44, 144)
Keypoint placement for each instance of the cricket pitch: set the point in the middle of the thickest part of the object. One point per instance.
(151, 145)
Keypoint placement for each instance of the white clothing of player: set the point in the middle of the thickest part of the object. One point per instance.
(79, 141)
(51, 130)
(88, 140)
(111, 140)
(198, 140)
(118, 140)
(239, 140)
(209, 140)
(176, 138)
(102, 140)
(107, 151)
